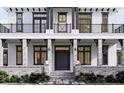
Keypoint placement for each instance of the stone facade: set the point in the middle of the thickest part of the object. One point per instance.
(22, 70)
(104, 70)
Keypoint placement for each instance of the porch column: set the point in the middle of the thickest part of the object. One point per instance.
(99, 52)
(49, 53)
(25, 52)
(1, 53)
(75, 51)
(122, 53)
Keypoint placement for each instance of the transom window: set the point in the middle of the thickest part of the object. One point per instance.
(19, 55)
(62, 17)
(40, 55)
(84, 55)
(19, 21)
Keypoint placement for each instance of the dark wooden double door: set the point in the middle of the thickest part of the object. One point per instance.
(62, 58)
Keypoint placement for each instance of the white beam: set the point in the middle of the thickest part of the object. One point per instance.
(1, 53)
(99, 63)
(25, 52)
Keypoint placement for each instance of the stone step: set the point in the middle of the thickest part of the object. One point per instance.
(62, 74)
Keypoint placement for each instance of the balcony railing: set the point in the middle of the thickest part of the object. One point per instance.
(62, 28)
(101, 28)
(23, 28)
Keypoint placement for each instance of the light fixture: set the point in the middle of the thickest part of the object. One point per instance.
(10, 9)
(22, 9)
(96, 9)
(96, 41)
(102, 9)
(27, 9)
(16, 9)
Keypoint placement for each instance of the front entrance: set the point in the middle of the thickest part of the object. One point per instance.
(62, 58)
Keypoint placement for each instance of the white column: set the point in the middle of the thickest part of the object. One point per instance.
(99, 63)
(25, 52)
(75, 51)
(1, 53)
(49, 53)
(122, 53)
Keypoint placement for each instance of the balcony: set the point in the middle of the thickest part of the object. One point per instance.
(101, 28)
(23, 28)
(62, 28)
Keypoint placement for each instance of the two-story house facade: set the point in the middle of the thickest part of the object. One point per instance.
(61, 41)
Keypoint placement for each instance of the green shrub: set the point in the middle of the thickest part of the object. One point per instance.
(120, 77)
(110, 79)
(38, 77)
(25, 78)
(14, 79)
(3, 77)
(100, 78)
(86, 77)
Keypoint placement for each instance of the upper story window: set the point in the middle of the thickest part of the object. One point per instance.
(104, 22)
(62, 17)
(19, 22)
(84, 22)
(39, 22)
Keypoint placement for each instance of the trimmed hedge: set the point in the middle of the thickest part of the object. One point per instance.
(92, 78)
(32, 78)
(4, 77)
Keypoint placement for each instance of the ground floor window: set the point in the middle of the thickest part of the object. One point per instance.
(40, 55)
(5, 57)
(119, 57)
(19, 55)
(105, 55)
(84, 55)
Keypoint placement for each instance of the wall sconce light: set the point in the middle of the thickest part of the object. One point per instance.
(79, 9)
(10, 9)
(16, 9)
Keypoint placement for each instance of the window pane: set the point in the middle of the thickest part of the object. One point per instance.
(37, 58)
(62, 17)
(105, 22)
(40, 55)
(84, 21)
(84, 55)
(19, 19)
(43, 57)
(5, 57)
(19, 55)
(80, 58)
(87, 58)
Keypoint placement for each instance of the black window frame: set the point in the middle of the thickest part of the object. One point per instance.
(39, 18)
(17, 46)
(85, 13)
(5, 51)
(17, 24)
(62, 13)
(103, 24)
(105, 46)
(84, 63)
(41, 63)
